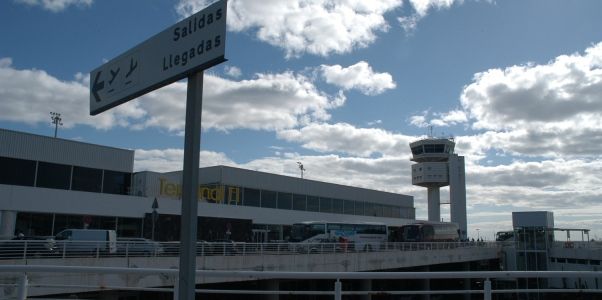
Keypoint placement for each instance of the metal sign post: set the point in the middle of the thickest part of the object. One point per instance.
(185, 49)
(192, 145)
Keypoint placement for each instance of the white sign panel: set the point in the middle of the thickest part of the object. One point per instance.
(193, 44)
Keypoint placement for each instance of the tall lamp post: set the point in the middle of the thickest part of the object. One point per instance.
(301, 168)
(155, 216)
(56, 120)
(478, 234)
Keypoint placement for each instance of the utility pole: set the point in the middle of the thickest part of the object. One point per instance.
(56, 120)
(301, 168)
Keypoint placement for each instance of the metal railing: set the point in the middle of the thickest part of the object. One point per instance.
(577, 244)
(21, 283)
(71, 249)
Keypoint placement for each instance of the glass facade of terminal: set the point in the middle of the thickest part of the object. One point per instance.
(238, 195)
(65, 177)
(41, 174)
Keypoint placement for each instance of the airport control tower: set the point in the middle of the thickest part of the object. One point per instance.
(437, 165)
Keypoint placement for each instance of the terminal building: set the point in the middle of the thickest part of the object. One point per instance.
(49, 184)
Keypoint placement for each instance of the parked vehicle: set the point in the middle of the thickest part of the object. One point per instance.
(504, 236)
(138, 246)
(361, 236)
(86, 241)
(430, 232)
(27, 246)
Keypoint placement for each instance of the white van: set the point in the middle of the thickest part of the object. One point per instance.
(87, 240)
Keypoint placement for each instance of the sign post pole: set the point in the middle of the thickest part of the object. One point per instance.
(185, 49)
(190, 182)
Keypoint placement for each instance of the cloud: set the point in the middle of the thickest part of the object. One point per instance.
(421, 9)
(552, 109)
(232, 71)
(319, 27)
(359, 76)
(169, 160)
(56, 5)
(450, 118)
(345, 138)
(566, 90)
(29, 103)
(419, 121)
(265, 102)
(375, 122)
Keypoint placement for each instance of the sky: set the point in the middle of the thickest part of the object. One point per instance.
(342, 86)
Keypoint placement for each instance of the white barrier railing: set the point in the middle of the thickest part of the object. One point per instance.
(23, 270)
(63, 249)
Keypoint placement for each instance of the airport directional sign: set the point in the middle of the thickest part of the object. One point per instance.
(191, 45)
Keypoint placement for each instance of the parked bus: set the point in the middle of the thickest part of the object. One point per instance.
(430, 232)
(350, 236)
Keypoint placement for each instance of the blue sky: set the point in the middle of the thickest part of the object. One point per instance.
(343, 86)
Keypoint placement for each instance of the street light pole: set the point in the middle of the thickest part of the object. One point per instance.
(56, 120)
(301, 168)
(478, 234)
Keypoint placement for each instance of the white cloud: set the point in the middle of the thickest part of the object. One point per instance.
(375, 122)
(345, 138)
(450, 118)
(56, 5)
(265, 102)
(318, 27)
(169, 160)
(566, 91)
(419, 121)
(423, 6)
(268, 101)
(359, 76)
(30, 103)
(421, 9)
(232, 71)
(553, 109)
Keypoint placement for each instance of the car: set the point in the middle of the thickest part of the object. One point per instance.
(27, 246)
(139, 246)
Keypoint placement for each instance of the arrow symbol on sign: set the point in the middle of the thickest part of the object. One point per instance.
(97, 86)
(133, 66)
